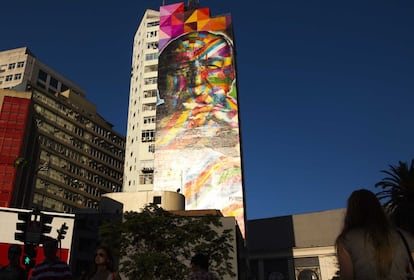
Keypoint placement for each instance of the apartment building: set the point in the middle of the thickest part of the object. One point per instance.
(140, 139)
(57, 152)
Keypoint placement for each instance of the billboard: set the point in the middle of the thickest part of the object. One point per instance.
(197, 149)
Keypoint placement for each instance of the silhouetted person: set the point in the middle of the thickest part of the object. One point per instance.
(368, 247)
(199, 267)
(13, 271)
(52, 267)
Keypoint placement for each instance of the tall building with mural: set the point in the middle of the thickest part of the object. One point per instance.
(194, 145)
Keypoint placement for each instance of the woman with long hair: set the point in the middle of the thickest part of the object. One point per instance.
(104, 265)
(369, 247)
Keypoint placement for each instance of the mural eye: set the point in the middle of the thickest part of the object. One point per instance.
(214, 63)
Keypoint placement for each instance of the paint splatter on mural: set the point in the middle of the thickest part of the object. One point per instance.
(197, 138)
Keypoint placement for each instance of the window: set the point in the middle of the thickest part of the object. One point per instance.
(9, 78)
(156, 200)
(152, 34)
(42, 75)
(63, 87)
(148, 135)
(151, 148)
(17, 76)
(152, 45)
(146, 179)
(148, 107)
(150, 93)
(148, 120)
(153, 23)
(150, 81)
(151, 68)
(53, 82)
(12, 66)
(20, 64)
(151, 56)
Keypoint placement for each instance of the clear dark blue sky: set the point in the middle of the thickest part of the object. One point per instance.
(326, 88)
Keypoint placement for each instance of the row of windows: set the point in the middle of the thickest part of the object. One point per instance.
(149, 120)
(152, 45)
(67, 138)
(152, 34)
(153, 23)
(17, 76)
(148, 136)
(150, 81)
(13, 65)
(151, 56)
(150, 93)
(45, 81)
(151, 68)
(148, 107)
(112, 138)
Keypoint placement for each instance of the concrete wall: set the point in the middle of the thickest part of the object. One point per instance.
(317, 228)
(135, 201)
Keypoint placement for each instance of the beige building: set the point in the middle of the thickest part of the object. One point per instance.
(296, 247)
(70, 155)
(135, 201)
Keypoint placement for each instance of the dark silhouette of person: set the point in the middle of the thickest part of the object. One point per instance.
(13, 271)
(369, 247)
(52, 267)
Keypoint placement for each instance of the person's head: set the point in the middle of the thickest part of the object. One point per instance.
(50, 248)
(14, 253)
(200, 262)
(364, 210)
(196, 65)
(104, 258)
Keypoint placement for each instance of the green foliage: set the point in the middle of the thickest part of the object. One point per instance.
(398, 194)
(155, 244)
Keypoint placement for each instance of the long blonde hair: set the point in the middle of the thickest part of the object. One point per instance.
(365, 212)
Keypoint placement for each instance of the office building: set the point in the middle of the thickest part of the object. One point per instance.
(57, 152)
(183, 123)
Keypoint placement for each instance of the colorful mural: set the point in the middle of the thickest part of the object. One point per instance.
(197, 139)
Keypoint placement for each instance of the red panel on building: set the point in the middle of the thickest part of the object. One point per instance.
(13, 118)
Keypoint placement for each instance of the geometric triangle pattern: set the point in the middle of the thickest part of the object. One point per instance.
(175, 20)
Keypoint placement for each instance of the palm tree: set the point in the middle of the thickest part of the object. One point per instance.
(398, 194)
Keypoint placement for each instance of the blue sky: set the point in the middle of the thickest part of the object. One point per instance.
(326, 88)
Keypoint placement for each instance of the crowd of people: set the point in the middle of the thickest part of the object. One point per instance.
(368, 247)
(103, 268)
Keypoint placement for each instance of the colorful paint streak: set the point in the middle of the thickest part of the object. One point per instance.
(197, 139)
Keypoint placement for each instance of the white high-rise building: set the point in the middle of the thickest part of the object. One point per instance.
(140, 143)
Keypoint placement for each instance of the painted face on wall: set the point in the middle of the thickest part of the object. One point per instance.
(197, 73)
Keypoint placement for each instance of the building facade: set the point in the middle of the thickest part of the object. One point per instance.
(295, 247)
(140, 140)
(183, 122)
(58, 153)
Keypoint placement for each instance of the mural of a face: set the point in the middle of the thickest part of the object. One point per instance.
(197, 131)
(198, 75)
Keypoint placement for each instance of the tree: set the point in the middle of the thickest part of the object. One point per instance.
(155, 244)
(398, 193)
